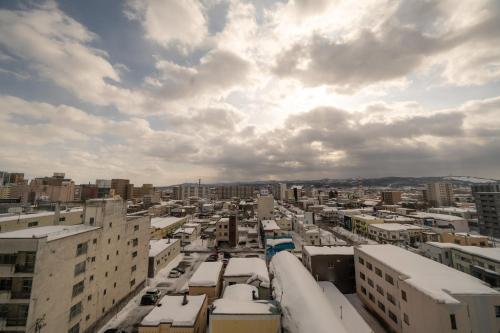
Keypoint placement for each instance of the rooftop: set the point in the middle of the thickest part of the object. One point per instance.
(436, 280)
(207, 275)
(492, 253)
(52, 232)
(328, 250)
(247, 267)
(164, 222)
(240, 292)
(395, 226)
(10, 217)
(172, 311)
(270, 225)
(184, 231)
(444, 217)
(156, 246)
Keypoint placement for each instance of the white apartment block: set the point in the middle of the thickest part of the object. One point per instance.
(414, 294)
(12, 222)
(395, 233)
(69, 278)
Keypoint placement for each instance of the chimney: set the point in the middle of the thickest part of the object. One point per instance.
(184, 299)
(254, 295)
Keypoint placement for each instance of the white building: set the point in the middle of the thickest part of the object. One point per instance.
(161, 253)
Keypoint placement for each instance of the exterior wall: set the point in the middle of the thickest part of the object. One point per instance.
(244, 323)
(162, 259)
(158, 233)
(212, 292)
(15, 222)
(360, 224)
(222, 230)
(419, 312)
(464, 239)
(265, 207)
(338, 269)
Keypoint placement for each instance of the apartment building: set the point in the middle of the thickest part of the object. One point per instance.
(227, 230)
(439, 194)
(483, 263)
(487, 198)
(414, 294)
(70, 278)
(465, 238)
(12, 222)
(161, 253)
(207, 280)
(391, 197)
(361, 222)
(162, 227)
(265, 207)
(123, 188)
(395, 233)
(54, 189)
(441, 222)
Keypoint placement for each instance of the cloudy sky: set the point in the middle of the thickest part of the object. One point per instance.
(167, 91)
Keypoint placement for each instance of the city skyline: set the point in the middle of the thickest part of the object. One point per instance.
(230, 90)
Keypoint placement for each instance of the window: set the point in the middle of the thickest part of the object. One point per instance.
(380, 290)
(32, 224)
(75, 329)
(371, 297)
(87, 317)
(136, 227)
(75, 310)
(116, 268)
(453, 322)
(361, 275)
(89, 298)
(369, 266)
(7, 259)
(132, 283)
(134, 254)
(389, 279)
(497, 311)
(110, 224)
(106, 274)
(93, 259)
(114, 285)
(370, 282)
(403, 295)
(363, 290)
(109, 240)
(378, 271)
(393, 317)
(391, 299)
(406, 319)
(361, 261)
(133, 268)
(94, 241)
(118, 237)
(381, 306)
(107, 256)
(91, 221)
(81, 249)
(91, 278)
(80, 268)
(105, 292)
(135, 242)
(62, 219)
(78, 288)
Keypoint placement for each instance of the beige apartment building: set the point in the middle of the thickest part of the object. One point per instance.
(391, 197)
(161, 253)
(14, 222)
(361, 222)
(465, 238)
(70, 278)
(265, 207)
(55, 189)
(395, 233)
(439, 194)
(414, 294)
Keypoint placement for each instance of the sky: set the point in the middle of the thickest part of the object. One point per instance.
(166, 91)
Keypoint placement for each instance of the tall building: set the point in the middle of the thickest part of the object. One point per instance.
(487, 198)
(391, 197)
(123, 188)
(282, 192)
(439, 194)
(55, 189)
(414, 294)
(265, 207)
(103, 188)
(72, 278)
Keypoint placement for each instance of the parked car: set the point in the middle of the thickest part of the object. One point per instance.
(180, 270)
(154, 292)
(148, 299)
(174, 274)
(213, 257)
(227, 255)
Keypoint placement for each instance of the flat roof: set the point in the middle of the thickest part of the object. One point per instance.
(184, 231)
(328, 250)
(163, 222)
(207, 275)
(236, 307)
(436, 216)
(10, 217)
(247, 267)
(492, 253)
(367, 217)
(52, 232)
(173, 312)
(270, 225)
(156, 246)
(395, 226)
(436, 280)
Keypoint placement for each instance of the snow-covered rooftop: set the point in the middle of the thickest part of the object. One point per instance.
(172, 311)
(444, 217)
(278, 241)
(52, 232)
(156, 246)
(184, 231)
(366, 217)
(328, 250)
(240, 292)
(10, 217)
(395, 226)
(231, 306)
(207, 275)
(351, 318)
(164, 222)
(304, 305)
(270, 225)
(432, 278)
(492, 253)
(251, 267)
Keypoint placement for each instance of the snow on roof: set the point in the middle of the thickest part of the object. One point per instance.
(432, 278)
(52, 232)
(304, 305)
(156, 246)
(207, 275)
(444, 217)
(10, 217)
(466, 234)
(164, 222)
(366, 217)
(492, 253)
(240, 292)
(270, 225)
(247, 267)
(184, 231)
(172, 311)
(395, 226)
(327, 250)
(231, 306)
(278, 241)
(351, 318)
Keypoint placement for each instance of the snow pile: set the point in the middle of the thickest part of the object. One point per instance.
(170, 310)
(304, 305)
(207, 275)
(238, 299)
(253, 268)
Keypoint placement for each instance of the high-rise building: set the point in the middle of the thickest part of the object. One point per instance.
(282, 192)
(103, 188)
(123, 188)
(439, 194)
(55, 189)
(391, 197)
(487, 197)
(70, 278)
(265, 207)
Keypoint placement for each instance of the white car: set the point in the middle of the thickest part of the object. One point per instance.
(174, 274)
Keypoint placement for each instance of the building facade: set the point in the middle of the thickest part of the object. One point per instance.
(487, 198)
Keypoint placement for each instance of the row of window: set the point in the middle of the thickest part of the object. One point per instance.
(378, 271)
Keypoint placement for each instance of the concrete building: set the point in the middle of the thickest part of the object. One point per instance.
(283, 192)
(104, 188)
(227, 231)
(72, 277)
(414, 294)
(395, 233)
(265, 207)
(12, 222)
(361, 222)
(207, 280)
(186, 235)
(487, 198)
(439, 194)
(483, 263)
(441, 222)
(334, 264)
(123, 188)
(161, 253)
(163, 227)
(391, 197)
(177, 314)
(250, 271)
(464, 238)
(53, 189)
(240, 310)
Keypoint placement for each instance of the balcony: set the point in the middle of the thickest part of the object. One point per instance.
(24, 269)
(20, 295)
(4, 294)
